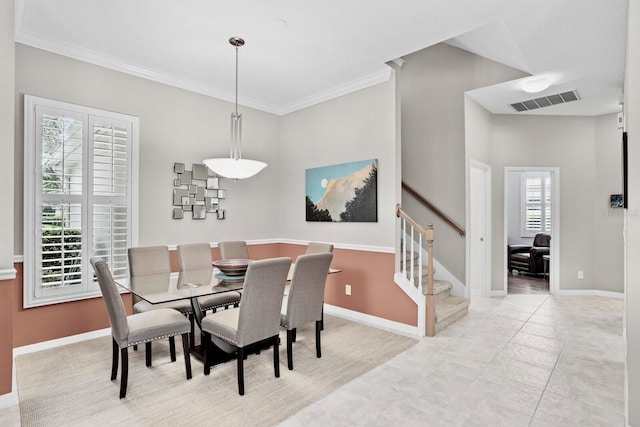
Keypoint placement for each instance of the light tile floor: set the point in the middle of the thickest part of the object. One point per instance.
(522, 360)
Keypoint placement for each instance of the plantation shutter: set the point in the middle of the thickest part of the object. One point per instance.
(110, 212)
(59, 225)
(536, 204)
(79, 199)
(533, 204)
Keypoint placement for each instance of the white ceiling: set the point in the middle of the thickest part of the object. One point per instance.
(299, 53)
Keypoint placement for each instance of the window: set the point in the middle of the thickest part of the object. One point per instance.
(536, 203)
(79, 197)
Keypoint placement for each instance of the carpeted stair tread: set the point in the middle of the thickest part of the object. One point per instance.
(439, 287)
(450, 309)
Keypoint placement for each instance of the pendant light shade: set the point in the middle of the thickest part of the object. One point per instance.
(235, 166)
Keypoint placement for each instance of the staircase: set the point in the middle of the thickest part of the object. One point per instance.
(437, 308)
(449, 308)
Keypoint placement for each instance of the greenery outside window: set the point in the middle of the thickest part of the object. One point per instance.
(80, 197)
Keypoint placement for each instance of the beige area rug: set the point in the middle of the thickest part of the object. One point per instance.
(70, 386)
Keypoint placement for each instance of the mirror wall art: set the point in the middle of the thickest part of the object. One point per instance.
(196, 193)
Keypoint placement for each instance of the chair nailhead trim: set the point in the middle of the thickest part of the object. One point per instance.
(158, 338)
(222, 336)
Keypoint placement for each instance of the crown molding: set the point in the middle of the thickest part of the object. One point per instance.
(116, 64)
(338, 91)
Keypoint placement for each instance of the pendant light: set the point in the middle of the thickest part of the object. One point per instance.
(235, 166)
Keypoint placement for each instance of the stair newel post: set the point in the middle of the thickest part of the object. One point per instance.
(430, 297)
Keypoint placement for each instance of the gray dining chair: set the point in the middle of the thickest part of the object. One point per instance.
(305, 300)
(140, 328)
(233, 250)
(317, 248)
(256, 320)
(153, 264)
(195, 265)
(314, 248)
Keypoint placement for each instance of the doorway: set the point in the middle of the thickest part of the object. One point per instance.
(479, 226)
(531, 206)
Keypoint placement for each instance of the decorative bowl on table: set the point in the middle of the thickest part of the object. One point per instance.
(232, 267)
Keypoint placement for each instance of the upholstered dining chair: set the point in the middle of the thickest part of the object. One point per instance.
(139, 328)
(316, 247)
(194, 260)
(305, 300)
(233, 250)
(154, 263)
(256, 320)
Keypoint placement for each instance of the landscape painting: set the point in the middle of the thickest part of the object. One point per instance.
(346, 192)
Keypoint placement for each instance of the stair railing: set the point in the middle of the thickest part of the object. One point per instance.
(415, 234)
(427, 204)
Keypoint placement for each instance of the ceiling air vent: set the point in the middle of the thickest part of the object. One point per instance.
(545, 101)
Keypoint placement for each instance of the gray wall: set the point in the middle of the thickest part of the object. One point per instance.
(358, 126)
(7, 78)
(433, 83)
(181, 126)
(632, 266)
(587, 152)
(176, 126)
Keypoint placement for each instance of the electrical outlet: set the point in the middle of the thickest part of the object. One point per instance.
(580, 274)
(347, 289)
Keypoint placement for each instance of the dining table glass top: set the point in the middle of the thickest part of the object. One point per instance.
(187, 284)
(180, 286)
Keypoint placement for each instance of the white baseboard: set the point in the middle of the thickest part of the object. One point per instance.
(9, 399)
(369, 320)
(572, 292)
(45, 345)
(590, 292)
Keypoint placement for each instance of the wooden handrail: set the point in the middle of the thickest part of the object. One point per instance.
(426, 232)
(434, 209)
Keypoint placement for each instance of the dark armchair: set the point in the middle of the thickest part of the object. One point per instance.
(528, 258)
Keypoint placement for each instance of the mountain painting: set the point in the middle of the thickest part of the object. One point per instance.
(347, 192)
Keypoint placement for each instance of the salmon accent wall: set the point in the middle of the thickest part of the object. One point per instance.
(6, 334)
(49, 322)
(373, 290)
(370, 275)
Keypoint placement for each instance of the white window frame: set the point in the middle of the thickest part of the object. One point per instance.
(544, 204)
(34, 295)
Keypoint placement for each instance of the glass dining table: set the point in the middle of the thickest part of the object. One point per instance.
(189, 285)
(181, 286)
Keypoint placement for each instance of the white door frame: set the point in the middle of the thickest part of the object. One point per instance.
(485, 283)
(554, 264)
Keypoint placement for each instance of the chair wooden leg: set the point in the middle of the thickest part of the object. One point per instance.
(276, 355)
(147, 350)
(192, 343)
(206, 347)
(124, 374)
(135, 347)
(294, 336)
(187, 354)
(322, 317)
(290, 333)
(318, 329)
(114, 361)
(240, 358)
(172, 348)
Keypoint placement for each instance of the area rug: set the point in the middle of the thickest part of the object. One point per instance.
(70, 386)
